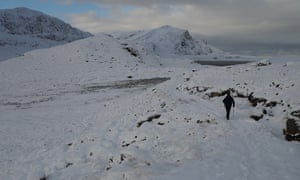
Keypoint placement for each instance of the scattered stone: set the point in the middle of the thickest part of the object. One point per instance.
(265, 111)
(196, 89)
(240, 95)
(163, 105)
(132, 51)
(122, 157)
(271, 104)
(257, 117)
(150, 119)
(161, 123)
(44, 178)
(296, 113)
(128, 144)
(263, 63)
(216, 94)
(254, 100)
(68, 164)
(147, 163)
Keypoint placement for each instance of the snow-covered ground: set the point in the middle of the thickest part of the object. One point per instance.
(99, 108)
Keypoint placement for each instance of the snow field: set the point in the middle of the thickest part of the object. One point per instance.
(63, 116)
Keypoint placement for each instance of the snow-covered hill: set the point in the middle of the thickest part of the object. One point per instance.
(165, 41)
(91, 109)
(23, 29)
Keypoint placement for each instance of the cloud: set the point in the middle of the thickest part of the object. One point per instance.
(122, 19)
(141, 17)
(64, 2)
(255, 20)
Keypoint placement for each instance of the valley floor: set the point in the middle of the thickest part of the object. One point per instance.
(114, 120)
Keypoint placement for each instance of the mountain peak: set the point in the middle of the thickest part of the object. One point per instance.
(167, 41)
(25, 21)
(23, 29)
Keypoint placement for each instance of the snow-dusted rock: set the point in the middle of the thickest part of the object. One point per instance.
(24, 21)
(165, 41)
(23, 29)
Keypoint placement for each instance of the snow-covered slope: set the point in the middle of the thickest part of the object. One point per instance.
(90, 109)
(23, 29)
(165, 41)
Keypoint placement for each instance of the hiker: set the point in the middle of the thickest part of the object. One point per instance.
(228, 102)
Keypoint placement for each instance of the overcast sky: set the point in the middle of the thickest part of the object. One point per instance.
(252, 21)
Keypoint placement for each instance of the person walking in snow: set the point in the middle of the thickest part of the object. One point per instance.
(228, 102)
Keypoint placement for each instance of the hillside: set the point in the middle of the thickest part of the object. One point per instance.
(91, 109)
(166, 41)
(23, 29)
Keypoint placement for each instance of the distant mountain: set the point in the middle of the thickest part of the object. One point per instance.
(24, 21)
(166, 41)
(23, 29)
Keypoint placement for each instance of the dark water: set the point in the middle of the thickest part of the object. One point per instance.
(221, 63)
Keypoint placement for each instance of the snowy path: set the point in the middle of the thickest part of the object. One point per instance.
(241, 156)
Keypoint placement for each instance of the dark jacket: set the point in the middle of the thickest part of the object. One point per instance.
(228, 101)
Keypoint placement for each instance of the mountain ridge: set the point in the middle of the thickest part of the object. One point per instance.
(166, 41)
(23, 29)
(24, 21)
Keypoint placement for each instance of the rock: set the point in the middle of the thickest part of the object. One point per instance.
(257, 117)
(292, 131)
